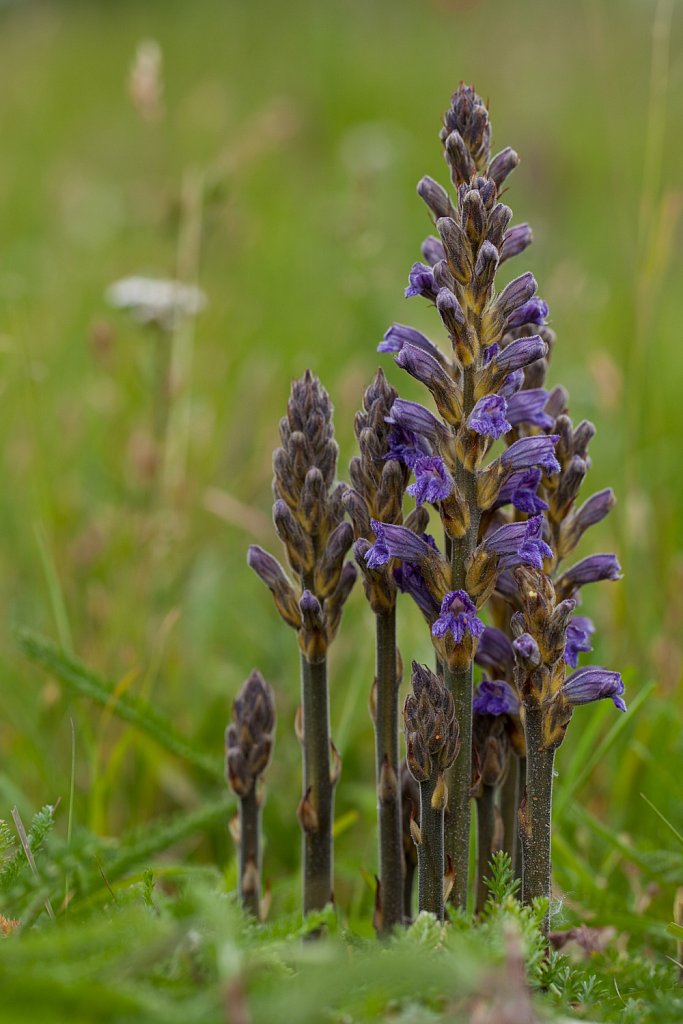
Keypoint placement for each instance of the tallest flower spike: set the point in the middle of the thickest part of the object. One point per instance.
(471, 387)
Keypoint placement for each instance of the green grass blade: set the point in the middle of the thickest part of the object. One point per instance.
(565, 793)
(83, 682)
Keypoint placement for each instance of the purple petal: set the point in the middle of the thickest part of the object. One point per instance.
(495, 697)
(594, 683)
(488, 417)
(433, 482)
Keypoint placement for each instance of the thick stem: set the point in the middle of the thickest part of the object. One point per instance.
(486, 826)
(387, 773)
(460, 683)
(408, 882)
(430, 854)
(509, 804)
(318, 787)
(535, 814)
(459, 780)
(250, 852)
(521, 789)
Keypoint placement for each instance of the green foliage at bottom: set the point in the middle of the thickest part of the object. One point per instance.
(176, 946)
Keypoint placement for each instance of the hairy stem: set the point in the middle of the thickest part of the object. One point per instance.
(430, 855)
(510, 797)
(318, 787)
(535, 814)
(250, 852)
(387, 773)
(486, 825)
(460, 683)
(408, 882)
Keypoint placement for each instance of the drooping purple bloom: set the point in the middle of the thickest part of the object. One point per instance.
(519, 544)
(515, 241)
(535, 311)
(520, 490)
(528, 407)
(488, 417)
(516, 293)
(591, 570)
(521, 352)
(495, 651)
(422, 366)
(526, 650)
(495, 697)
(421, 282)
(579, 632)
(412, 416)
(433, 250)
(458, 616)
(450, 310)
(512, 384)
(594, 509)
(399, 335)
(594, 683)
(406, 446)
(489, 352)
(433, 482)
(395, 542)
(532, 452)
(409, 580)
(502, 165)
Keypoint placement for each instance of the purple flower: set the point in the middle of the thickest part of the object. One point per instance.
(591, 570)
(488, 417)
(519, 544)
(528, 407)
(495, 697)
(520, 489)
(406, 446)
(578, 638)
(515, 241)
(594, 509)
(535, 311)
(495, 651)
(433, 250)
(422, 366)
(409, 580)
(458, 616)
(503, 164)
(450, 310)
(530, 452)
(395, 542)
(511, 385)
(399, 335)
(433, 482)
(520, 353)
(593, 683)
(412, 416)
(526, 650)
(516, 293)
(421, 282)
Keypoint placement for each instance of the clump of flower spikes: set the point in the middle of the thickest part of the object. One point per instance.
(517, 510)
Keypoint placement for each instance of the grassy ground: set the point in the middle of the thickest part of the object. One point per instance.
(303, 128)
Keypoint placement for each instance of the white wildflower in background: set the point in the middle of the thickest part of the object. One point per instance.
(156, 300)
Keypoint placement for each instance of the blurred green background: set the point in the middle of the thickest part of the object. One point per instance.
(280, 175)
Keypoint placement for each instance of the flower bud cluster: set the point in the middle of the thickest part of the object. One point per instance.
(309, 518)
(432, 732)
(249, 737)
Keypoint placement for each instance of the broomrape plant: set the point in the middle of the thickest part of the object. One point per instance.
(495, 593)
